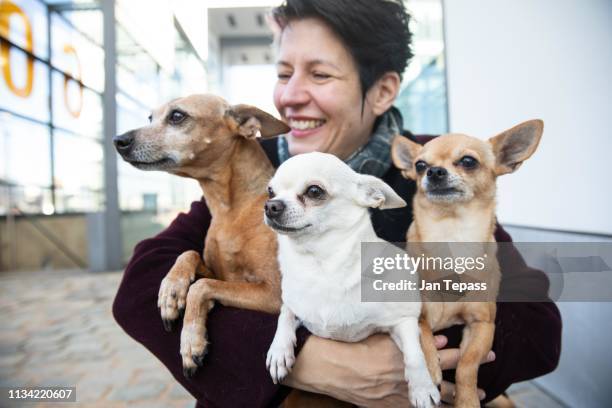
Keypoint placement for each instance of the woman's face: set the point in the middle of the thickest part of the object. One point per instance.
(318, 92)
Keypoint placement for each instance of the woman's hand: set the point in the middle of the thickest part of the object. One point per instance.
(367, 373)
(448, 361)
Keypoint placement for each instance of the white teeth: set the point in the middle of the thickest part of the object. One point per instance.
(305, 124)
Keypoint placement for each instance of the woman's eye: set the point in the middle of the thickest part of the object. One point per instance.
(420, 166)
(321, 75)
(176, 117)
(315, 192)
(468, 162)
(282, 76)
(271, 193)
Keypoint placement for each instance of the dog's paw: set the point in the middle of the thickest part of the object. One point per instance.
(171, 299)
(279, 360)
(423, 393)
(436, 375)
(194, 346)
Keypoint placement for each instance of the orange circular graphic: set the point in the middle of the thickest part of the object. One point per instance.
(7, 9)
(75, 112)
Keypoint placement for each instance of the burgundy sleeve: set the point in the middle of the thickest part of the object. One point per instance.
(234, 372)
(527, 341)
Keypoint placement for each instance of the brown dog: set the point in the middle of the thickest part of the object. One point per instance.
(204, 138)
(455, 202)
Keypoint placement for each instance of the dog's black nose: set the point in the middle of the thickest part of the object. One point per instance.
(274, 208)
(124, 143)
(436, 173)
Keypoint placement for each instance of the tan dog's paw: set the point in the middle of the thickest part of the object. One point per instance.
(194, 346)
(280, 359)
(436, 375)
(171, 299)
(423, 393)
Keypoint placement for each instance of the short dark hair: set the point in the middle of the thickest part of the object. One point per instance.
(375, 32)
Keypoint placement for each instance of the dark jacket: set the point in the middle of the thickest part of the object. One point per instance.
(527, 338)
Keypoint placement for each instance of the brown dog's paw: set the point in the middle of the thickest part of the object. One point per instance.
(194, 346)
(171, 299)
(436, 375)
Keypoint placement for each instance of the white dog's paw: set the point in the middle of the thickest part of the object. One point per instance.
(423, 393)
(280, 359)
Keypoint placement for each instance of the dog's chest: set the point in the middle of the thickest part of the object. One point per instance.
(453, 230)
(332, 307)
(231, 257)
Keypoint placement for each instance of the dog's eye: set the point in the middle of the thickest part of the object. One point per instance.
(468, 162)
(150, 118)
(176, 117)
(315, 192)
(420, 166)
(271, 192)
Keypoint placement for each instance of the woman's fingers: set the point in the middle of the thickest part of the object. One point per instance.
(440, 341)
(450, 357)
(447, 392)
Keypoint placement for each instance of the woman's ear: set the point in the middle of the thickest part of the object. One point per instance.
(383, 93)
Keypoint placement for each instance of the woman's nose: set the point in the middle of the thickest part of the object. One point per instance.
(294, 92)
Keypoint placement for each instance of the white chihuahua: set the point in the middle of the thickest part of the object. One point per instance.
(319, 207)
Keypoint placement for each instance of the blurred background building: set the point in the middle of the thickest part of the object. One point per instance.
(66, 200)
(76, 73)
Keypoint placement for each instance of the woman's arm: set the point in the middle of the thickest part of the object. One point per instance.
(234, 371)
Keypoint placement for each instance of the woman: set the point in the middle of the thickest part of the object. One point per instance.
(339, 72)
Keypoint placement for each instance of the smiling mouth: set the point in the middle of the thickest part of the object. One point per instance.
(275, 225)
(305, 124)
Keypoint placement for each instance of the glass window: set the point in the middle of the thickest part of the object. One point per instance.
(25, 155)
(78, 162)
(74, 54)
(130, 114)
(75, 107)
(422, 99)
(24, 86)
(27, 199)
(78, 172)
(26, 25)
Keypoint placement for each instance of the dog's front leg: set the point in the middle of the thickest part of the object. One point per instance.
(432, 359)
(260, 296)
(281, 354)
(422, 391)
(475, 345)
(193, 336)
(173, 289)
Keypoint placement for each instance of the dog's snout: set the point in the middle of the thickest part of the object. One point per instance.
(274, 208)
(124, 143)
(436, 173)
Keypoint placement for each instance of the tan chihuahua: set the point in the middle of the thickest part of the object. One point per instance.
(455, 202)
(204, 138)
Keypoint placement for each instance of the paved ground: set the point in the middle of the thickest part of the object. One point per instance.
(56, 328)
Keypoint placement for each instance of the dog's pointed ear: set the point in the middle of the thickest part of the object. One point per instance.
(403, 153)
(374, 193)
(513, 146)
(252, 122)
